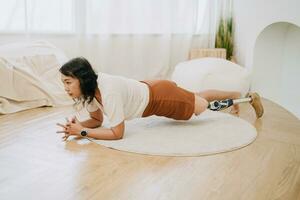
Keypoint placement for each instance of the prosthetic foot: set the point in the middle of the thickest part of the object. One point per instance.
(252, 98)
(256, 104)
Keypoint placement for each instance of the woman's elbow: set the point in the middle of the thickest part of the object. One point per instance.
(99, 124)
(119, 136)
(118, 131)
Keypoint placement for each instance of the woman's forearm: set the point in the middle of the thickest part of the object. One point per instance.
(91, 123)
(102, 134)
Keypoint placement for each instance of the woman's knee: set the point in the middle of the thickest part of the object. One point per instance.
(205, 94)
(201, 105)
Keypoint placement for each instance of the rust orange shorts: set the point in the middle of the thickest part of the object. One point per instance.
(168, 100)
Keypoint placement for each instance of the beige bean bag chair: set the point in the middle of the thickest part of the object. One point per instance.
(211, 73)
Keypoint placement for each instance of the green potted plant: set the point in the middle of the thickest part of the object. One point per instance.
(224, 37)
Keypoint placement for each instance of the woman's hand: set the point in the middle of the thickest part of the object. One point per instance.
(72, 127)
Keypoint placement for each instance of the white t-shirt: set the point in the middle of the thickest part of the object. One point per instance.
(122, 98)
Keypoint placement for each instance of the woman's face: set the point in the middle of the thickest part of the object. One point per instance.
(72, 86)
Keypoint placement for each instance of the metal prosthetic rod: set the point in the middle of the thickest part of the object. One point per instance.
(220, 105)
(223, 104)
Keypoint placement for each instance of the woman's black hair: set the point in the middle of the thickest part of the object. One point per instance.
(81, 69)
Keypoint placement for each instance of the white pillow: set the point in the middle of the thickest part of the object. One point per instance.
(211, 73)
(34, 48)
(31, 75)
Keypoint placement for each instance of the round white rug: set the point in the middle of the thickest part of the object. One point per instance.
(209, 133)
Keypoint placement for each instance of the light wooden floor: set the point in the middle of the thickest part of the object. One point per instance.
(36, 164)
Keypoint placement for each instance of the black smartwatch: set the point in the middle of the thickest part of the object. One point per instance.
(83, 133)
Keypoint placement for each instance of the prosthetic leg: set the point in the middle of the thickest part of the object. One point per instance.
(252, 98)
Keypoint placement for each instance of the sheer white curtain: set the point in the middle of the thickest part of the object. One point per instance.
(135, 38)
(146, 39)
(36, 16)
(142, 16)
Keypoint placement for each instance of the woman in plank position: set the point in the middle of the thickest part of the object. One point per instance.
(122, 99)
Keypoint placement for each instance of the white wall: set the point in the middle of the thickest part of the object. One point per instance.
(252, 16)
(290, 91)
(276, 65)
(270, 49)
(267, 65)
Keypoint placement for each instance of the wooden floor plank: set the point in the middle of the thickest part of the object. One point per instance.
(36, 164)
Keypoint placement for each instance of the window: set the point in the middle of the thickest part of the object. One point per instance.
(144, 16)
(55, 16)
(105, 16)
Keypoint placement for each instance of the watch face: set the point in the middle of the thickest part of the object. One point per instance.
(83, 133)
